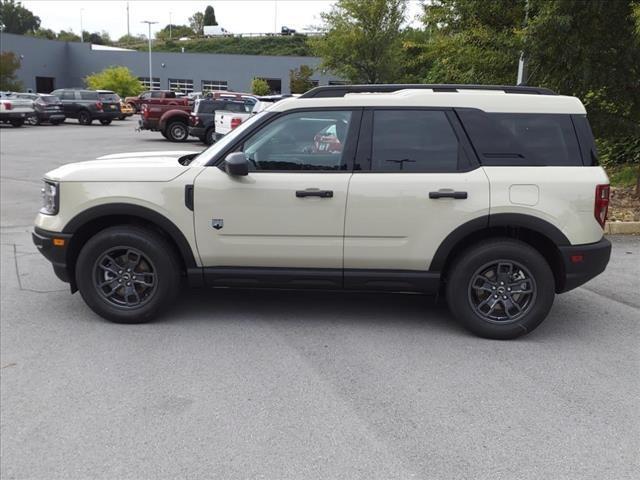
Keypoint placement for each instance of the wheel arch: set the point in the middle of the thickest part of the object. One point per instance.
(172, 116)
(91, 221)
(538, 233)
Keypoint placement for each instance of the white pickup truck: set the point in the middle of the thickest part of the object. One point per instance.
(14, 110)
(226, 120)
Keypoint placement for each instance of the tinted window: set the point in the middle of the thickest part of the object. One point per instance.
(522, 138)
(156, 94)
(68, 95)
(300, 141)
(109, 97)
(413, 141)
(87, 95)
(50, 99)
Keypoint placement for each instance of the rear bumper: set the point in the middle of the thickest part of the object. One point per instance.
(55, 116)
(111, 115)
(146, 124)
(583, 262)
(5, 116)
(197, 131)
(57, 255)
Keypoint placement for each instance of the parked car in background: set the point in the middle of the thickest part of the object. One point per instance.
(47, 108)
(126, 110)
(15, 110)
(111, 96)
(215, 31)
(266, 101)
(86, 106)
(201, 120)
(155, 97)
(287, 31)
(226, 120)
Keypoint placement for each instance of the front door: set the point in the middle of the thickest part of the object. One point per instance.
(289, 211)
(415, 182)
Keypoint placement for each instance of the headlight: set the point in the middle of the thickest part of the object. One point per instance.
(50, 198)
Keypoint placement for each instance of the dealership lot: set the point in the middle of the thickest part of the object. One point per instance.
(257, 384)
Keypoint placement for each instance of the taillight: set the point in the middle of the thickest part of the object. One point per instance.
(235, 122)
(99, 105)
(7, 105)
(145, 110)
(601, 204)
(194, 119)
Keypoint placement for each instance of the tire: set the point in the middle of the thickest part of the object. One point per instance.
(481, 288)
(105, 122)
(177, 131)
(134, 107)
(164, 134)
(17, 123)
(115, 293)
(210, 136)
(84, 117)
(32, 120)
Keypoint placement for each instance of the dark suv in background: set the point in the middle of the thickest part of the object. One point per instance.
(87, 106)
(47, 108)
(201, 121)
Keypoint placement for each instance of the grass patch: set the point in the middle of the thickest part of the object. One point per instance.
(623, 175)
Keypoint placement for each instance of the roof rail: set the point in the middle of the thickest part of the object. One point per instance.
(342, 90)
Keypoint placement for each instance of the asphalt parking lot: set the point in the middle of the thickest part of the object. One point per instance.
(286, 385)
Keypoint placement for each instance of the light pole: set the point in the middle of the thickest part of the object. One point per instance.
(81, 29)
(150, 69)
(169, 25)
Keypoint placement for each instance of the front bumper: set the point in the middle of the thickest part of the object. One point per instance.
(55, 252)
(583, 262)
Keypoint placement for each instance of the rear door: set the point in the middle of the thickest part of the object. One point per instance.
(289, 211)
(416, 180)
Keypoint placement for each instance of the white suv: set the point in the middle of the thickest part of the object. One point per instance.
(491, 195)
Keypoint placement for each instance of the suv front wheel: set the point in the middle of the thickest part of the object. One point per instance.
(128, 274)
(501, 289)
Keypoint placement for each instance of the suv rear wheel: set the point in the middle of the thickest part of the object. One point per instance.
(177, 131)
(105, 122)
(128, 274)
(84, 117)
(500, 289)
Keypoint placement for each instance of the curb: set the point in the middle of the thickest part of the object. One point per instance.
(622, 228)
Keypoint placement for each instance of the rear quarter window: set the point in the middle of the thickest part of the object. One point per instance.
(522, 139)
(88, 95)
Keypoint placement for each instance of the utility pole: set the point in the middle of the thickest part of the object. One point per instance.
(523, 74)
(81, 29)
(169, 25)
(275, 16)
(150, 69)
(128, 31)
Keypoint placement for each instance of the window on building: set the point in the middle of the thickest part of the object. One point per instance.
(315, 83)
(208, 85)
(181, 85)
(147, 85)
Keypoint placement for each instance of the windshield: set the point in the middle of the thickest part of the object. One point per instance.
(204, 157)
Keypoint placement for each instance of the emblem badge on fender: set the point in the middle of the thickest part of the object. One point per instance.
(217, 223)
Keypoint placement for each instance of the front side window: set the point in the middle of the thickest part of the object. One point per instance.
(301, 141)
(413, 141)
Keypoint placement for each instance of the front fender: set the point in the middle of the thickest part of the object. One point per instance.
(172, 115)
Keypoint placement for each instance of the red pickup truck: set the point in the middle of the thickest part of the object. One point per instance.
(155, 97)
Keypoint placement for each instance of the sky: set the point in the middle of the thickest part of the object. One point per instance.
(237, 16)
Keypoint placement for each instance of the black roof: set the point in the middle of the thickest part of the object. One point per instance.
(342, 90)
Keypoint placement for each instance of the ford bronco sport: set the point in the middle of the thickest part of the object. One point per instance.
(491, 195)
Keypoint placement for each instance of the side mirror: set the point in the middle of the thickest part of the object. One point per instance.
(236, 164)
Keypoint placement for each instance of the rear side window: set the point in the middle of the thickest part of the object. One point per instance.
(109, 97)
(85, 95)
(525, 139)
(413, 141)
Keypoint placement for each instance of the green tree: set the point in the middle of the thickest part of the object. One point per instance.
(9, 64)
(196, 21)
(363, 40)
(131, 39)
(97, 38)
(177, 31)
(116, 78)
(209, 16)
(45, 33)
(68, 36)
(16, 18)
(259, 86)
(300, 79)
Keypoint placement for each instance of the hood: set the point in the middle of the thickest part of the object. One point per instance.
(124, 167)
